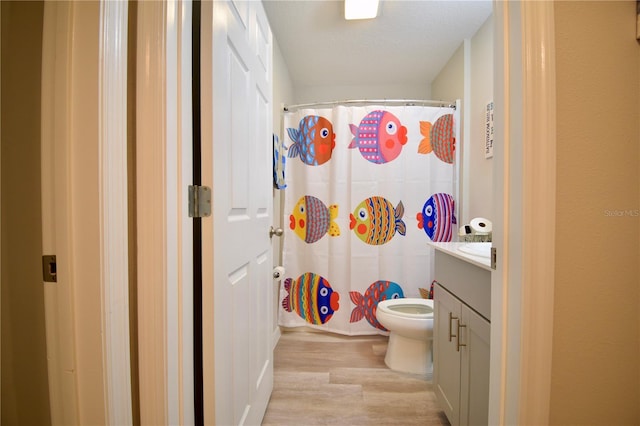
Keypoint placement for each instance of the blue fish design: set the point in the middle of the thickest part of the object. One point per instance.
(313, 140)
(438, 217)
(367, 305)
(278, 164)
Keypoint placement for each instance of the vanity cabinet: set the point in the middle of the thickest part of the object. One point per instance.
(462, 340)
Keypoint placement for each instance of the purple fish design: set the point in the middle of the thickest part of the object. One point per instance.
(438, 217)
(380, 137)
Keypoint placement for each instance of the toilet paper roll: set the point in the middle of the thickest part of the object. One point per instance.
(278, 273)
(480, 225)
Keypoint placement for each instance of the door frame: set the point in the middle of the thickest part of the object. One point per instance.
(524, 179)
(84, 206)
(164, 229)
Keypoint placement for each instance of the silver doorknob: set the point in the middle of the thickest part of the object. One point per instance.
(275, 231)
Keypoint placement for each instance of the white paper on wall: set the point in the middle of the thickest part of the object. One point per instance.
(488, 141)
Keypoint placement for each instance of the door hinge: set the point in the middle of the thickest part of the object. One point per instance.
(199, 201)
(494, 257)
(49, 269)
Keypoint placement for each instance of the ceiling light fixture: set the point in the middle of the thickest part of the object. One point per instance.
(360, 9)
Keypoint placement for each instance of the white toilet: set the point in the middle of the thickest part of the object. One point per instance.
(410, 323)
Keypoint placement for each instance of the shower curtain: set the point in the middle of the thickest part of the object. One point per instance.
(367, 188)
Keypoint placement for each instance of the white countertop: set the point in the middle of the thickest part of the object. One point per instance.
(452, 249)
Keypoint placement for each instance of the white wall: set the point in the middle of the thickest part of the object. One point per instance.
(282, 95)
(472, 61)
(480, 168)
(449, 83)
(308, 94)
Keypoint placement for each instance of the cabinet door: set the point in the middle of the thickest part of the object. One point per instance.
(474, 380)
(446, 358)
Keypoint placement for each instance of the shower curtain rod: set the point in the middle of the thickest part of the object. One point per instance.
(401, 102)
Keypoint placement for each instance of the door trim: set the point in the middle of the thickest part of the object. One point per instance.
(524, 179)
(206, 98)
(164, 234)
(539, 167)
(114, 265)
(84, 203)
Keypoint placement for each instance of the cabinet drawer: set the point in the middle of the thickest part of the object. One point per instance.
(467, 282)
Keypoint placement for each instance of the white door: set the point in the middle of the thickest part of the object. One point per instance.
(237, 255)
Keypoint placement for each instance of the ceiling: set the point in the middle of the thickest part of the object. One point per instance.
(408, 43)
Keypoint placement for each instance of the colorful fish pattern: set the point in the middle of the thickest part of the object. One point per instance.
(311, 297)
(313, 140)
(439, 138)
(279, 161)
(379, 137)
(438, 217)
(375, 221)
(367, 304)
(311, 219)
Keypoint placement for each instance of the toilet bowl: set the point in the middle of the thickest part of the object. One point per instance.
(410, 325)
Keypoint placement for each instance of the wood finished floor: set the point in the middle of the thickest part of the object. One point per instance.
(329, 379)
